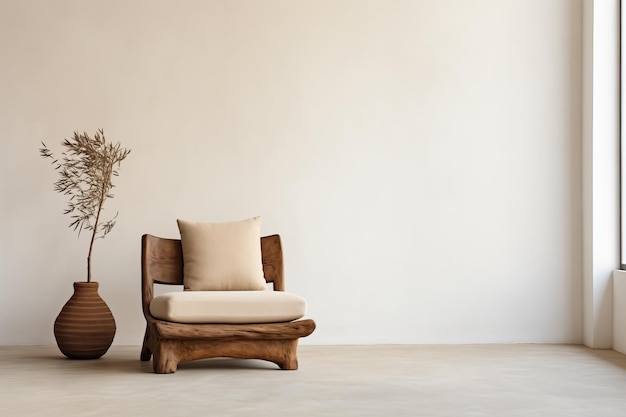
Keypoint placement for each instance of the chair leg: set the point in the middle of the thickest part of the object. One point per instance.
(290, 364)
(164, 360)
(146, 354)
(289, 354)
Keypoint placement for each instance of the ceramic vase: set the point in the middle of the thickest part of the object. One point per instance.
(85, 327)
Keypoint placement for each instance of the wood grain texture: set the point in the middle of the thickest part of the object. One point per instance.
(170, 343)
(273, 331)
(272, 258)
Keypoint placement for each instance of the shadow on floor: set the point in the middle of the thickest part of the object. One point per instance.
(611, 356)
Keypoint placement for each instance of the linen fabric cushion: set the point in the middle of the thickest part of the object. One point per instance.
(228, 307)
(222, 256)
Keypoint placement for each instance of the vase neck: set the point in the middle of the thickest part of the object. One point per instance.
(86, 286)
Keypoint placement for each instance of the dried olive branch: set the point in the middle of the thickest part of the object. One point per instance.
(85, 172)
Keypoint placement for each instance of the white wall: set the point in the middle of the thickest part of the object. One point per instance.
(421, 159)
(601, 144)
(619, 310)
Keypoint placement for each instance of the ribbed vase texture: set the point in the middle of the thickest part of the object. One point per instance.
(85, 327)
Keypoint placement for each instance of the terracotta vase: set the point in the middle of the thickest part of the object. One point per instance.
(85, 326)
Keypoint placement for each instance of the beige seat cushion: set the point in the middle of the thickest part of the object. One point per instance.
(222, 256)
(235, 307)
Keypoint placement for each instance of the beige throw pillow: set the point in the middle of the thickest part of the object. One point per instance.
(222, 256)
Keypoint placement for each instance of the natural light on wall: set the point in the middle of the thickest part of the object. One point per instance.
(622, 148)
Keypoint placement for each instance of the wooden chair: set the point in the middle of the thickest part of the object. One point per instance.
(171, 343)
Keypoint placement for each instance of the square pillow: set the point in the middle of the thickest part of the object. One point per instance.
(222, 256)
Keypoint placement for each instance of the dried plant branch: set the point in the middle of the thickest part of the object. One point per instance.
(85, 171)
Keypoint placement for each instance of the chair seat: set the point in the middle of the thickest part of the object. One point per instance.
(228, 307)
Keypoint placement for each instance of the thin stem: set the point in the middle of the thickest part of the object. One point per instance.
(103, 190)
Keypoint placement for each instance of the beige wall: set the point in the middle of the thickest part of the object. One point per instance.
(421, 159)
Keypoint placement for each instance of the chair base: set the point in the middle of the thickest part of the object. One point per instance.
(172, 343)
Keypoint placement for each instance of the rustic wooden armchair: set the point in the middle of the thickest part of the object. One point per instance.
(170, 343)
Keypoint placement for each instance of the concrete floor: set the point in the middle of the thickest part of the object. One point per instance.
(380, 380)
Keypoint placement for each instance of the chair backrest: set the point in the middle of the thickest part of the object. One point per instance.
(162, 263)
